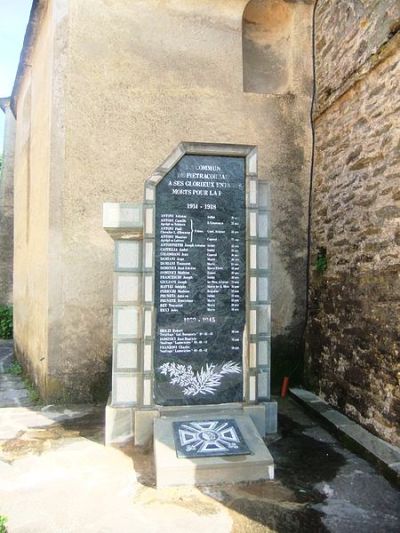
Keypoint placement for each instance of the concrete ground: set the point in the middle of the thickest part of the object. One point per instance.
(57, 477)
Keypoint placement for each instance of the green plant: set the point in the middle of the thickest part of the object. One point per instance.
(32, 391)
(6, 322)
(3, 522)
(321, 261)
(15, 369)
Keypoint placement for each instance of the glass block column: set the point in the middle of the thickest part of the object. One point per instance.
(124, 223)
(148, 285)
(258, 288)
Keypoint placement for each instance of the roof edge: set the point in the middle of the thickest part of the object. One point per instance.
(5, 103)
(37, 9)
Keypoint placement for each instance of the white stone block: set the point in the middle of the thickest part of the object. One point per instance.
(144, 421)
(148, 255)
(262, 286)
(147, 400)
(127, 321)
(125, 389)
(253, 355)
(263, 385)
(253, 322)
(252, 388)
(253, 256)
(122, 215)
(263, 194)
(263, 256)
(271, 417)
(253, 224)
(127, 254)
(127, 288)
(149, 228)
(263, 352)
(148, 289)
(149, 194)
(253, 289)
(119, 424)
(148, 323)
(147, 358)
(126, 355)
(171, 470)
(252, 163)
(263, 225)
(264, 319)
(253, 192)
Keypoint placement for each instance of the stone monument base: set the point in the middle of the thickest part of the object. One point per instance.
(255, 463)
(127, 423)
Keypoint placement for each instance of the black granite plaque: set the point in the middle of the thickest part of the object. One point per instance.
(209, 438)
(200, 281)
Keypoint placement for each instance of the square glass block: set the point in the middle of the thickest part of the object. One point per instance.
(126, 355)
(259, 256)
(122, 215)
(147, 358)
(252, 388)
(253, 223)
(253, 355)
(126, 319)
(251, 163)
(263, 225)
(253, 256)
(263, 256)
(148, 221)
(147, 394)
(263, 194)
(127, 255)
(264, 352)
(253, 288)
(125, 389)
(253, 192)
(259, 289)
(148, 323)
(172, 159)
(253, 322)
(148, 254)
(149, 193)
(262, 289)
(148, 288)
(127, 287)
(263, 319)
(263, 386)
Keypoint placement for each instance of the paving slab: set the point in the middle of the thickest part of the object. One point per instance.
(6, 354)
(56, 475)
(13, 390)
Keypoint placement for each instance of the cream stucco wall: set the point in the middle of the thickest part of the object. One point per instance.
(131, 80)
(7, 206)
(31, 196)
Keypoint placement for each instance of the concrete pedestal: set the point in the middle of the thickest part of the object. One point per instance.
(124, 423)
(171, 470)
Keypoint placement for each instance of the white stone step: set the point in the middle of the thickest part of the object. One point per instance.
(172, 470)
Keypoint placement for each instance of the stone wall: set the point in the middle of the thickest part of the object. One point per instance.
(354, 329)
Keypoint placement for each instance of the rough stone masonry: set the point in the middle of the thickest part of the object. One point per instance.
(354, 328)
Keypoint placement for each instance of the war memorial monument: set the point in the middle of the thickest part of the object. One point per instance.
(191, 334)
